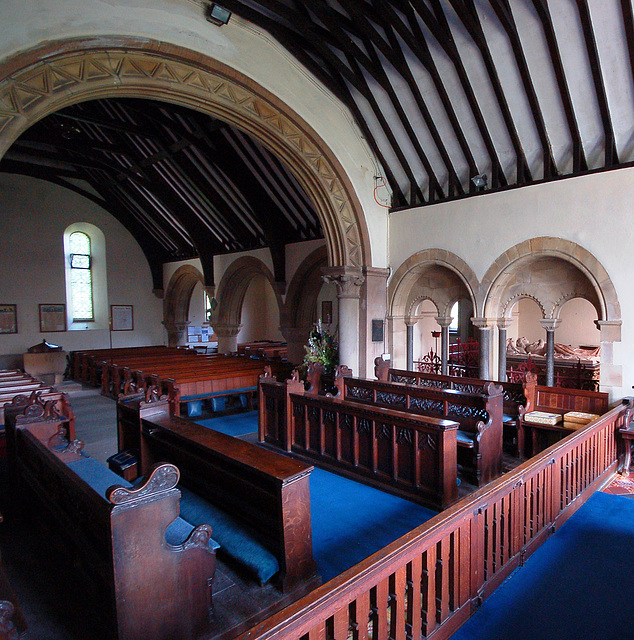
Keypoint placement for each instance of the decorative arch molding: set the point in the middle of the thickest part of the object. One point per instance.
(41, 81)
(233, 288)
(602, 294)
(511, 302)
(407, 274)
(415, 302)
(179, 293)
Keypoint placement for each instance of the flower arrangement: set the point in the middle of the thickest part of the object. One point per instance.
(322, 347)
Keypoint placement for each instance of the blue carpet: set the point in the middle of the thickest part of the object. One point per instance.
(578, 585)
(351, 521)
(238, 424)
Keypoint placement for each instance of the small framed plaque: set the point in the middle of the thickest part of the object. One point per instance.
(8, 318)
(121, 317)
(52, 318)
(377, 330)
(326, 311)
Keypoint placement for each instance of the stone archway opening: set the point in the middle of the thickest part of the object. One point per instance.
(176, 303)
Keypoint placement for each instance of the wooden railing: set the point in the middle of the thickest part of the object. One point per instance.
(431, 580)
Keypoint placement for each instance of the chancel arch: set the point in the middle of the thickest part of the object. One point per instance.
(433, 275)
(551, 272)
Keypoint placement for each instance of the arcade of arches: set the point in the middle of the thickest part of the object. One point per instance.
(399, 269)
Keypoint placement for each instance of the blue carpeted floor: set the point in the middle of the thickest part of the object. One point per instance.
(577, 586)
(350, 520)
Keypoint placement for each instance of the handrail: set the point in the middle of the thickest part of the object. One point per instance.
(433, 577)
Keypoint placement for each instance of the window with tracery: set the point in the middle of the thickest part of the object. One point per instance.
(81, 277)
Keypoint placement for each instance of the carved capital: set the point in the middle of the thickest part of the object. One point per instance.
(482, 323)
(550, 324)
(227, 330)
(444, 321)
(348, 281)
(504, 323)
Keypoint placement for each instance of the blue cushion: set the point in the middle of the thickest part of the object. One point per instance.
(464, 438)
(194, 408)
(97, 475)
(179, 531)
(508, 418)
(237, 543)
(218, 404)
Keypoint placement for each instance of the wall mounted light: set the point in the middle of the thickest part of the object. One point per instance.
(218, 15)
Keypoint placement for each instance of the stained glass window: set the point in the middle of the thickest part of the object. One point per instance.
(81, 277)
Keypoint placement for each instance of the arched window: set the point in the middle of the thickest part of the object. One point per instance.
(81, 277)
(86, 277)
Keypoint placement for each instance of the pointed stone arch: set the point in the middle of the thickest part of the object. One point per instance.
(43, 80)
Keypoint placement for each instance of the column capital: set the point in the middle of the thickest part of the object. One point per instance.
(550, 324)
(444, 321)
(348, 280)
(504, 323)
(227, 330)
(610, 330)
(482, 323)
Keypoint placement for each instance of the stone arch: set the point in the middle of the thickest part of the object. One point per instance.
(580, 275)
(176, 302)
(425, 262)
(232, 289)
(56, 75)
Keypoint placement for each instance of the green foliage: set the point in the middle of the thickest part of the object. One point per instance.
(322, 347)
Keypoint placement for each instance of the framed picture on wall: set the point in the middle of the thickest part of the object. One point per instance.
(8, 318)
(52, 318)
(121, 317)
(326, 311)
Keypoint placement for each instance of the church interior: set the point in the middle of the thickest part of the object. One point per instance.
(335, 292)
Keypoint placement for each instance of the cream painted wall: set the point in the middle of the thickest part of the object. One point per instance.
(239, 44)
(34, 215)
(260, 313)
(593, 211)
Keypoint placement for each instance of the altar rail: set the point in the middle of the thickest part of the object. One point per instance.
(431, 580)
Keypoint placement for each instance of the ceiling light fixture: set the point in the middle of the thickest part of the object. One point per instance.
(480, 181)
(218, 15)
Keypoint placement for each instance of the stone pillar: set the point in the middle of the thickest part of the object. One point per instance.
(483, 324)
(550, 324)
(348, 282)
(296, 339)
(503, 325)
(611, 375)
(227, 337)
(444, 343)
(176, 333)
(410, 324)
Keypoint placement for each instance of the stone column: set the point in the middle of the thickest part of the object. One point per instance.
(550, 324)
(227, 337)
(176, 333)
(483, 324)
(296, 339)
(444, 343)
(410, 324)
(348, 282)
(503, 325)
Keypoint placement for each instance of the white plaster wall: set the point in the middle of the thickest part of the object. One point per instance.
(260, 313)
(34, 214)
(596, 212)
(239, 45)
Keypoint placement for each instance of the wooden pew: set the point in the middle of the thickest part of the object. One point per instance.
(149, 584)
(409, 455)
(479, 415)
(561, 400)
(266, 494)
(518, 398)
